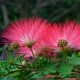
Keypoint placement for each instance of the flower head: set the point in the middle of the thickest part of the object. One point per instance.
(64, 35)
(25, 32)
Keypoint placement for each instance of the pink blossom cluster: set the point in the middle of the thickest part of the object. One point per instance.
(38, 36)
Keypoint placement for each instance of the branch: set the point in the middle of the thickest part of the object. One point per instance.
(5, 15)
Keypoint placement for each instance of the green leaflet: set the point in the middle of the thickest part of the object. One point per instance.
(65, 69)
(46, 69)
(74, 59)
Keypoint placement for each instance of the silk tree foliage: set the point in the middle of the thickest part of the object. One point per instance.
(16, 68)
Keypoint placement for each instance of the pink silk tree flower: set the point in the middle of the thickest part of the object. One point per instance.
(63, 35)
(25, 32)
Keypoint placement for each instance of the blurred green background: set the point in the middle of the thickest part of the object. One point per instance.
(53, 10)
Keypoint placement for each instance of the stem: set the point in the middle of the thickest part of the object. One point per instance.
(32, 53)
(19, 65)
(76, 72)
(64, 54)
